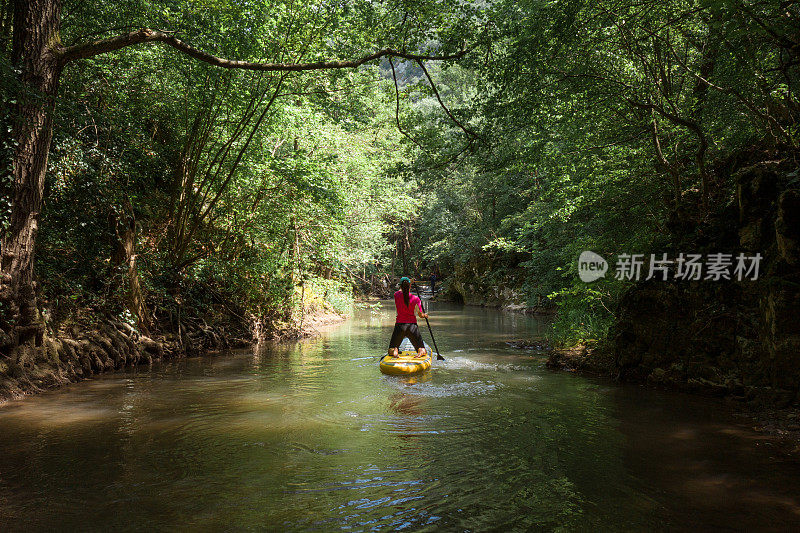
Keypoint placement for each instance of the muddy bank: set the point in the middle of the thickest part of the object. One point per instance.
(581, 358)
(90, 345)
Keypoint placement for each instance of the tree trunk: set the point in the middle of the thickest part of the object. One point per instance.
(35, 54)
(709, 53)
(404, 245)
(125, 256)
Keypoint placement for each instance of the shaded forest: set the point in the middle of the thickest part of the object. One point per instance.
(178, 177)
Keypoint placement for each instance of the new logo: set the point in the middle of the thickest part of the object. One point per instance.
(591, 266)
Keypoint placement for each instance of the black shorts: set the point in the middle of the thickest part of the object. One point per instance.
(402, 331)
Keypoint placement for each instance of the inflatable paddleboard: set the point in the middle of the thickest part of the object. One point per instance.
(406, 361)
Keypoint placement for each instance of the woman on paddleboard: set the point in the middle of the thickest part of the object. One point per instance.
(406, 324)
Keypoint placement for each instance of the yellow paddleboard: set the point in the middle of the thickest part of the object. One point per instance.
(405, 363)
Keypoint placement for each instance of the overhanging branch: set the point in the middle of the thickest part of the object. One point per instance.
(86, 50)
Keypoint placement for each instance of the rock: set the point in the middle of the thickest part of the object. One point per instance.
(725, 337)
(528, 345)
(658, 375)
(752, 235)
(782, 397)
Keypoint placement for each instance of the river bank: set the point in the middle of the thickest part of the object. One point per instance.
(89, 345)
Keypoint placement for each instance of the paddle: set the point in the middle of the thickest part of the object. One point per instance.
(438, 357)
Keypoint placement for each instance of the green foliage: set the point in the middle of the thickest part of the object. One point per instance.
(9, 95)
(584, 312)
(242, 188)
(599, 126)
(568, 126)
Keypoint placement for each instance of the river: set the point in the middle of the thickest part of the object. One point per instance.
(310, 436)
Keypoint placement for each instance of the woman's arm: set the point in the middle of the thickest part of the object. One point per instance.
(420, 312)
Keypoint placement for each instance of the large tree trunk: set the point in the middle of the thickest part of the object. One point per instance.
(35, 54)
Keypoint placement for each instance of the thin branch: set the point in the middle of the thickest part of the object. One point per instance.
(769, 120)
(397, 109)
(469, 133)
(784, 40)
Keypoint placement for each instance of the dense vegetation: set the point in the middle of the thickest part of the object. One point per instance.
(178, 188)
(606, 126)
(223, 196)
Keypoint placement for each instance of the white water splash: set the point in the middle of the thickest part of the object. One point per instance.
(463, 363)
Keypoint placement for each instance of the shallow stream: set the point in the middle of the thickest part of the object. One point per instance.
(310, 436)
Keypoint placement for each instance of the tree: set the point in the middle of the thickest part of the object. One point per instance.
(40, 57)
(606, 126)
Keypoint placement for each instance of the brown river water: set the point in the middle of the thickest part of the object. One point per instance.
(310, 436)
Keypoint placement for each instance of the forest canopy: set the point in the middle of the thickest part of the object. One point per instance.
(491, 141)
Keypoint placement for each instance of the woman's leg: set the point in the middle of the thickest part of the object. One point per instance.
(406, 331)
(416, 339)
(397, 337)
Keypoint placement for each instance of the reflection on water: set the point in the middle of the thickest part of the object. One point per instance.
(312, 436)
